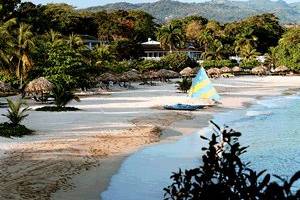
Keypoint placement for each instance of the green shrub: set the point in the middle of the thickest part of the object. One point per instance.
(9, 130)
(223, 175)
(185, 84)
(249, 64)
(177, 61)
(149, 65)
(217, 63)
(9, 78)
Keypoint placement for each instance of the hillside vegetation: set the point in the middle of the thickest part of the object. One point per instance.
(220, 10)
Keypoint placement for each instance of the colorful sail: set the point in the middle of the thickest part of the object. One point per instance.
(202, 87)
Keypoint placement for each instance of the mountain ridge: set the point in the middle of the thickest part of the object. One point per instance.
(220, 10)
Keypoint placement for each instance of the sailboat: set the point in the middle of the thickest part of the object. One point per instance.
(202, 88)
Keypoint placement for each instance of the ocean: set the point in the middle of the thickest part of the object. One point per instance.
(271, 128)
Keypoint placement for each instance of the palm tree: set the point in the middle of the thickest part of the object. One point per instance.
(63, 96)
(55, 38)
(74, 41)
(205, 38)
(24, 45)
(248, 52)
(246, 38)
(170, 36)
(16, 111)
(6, 42)
(271, 58)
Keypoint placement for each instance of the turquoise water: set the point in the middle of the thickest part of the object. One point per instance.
(271, 128)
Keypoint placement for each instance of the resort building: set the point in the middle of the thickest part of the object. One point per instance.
(153, 51)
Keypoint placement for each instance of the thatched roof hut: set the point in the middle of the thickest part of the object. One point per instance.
(213, 72)
(150, 75)
(281, 69)
(237, 69)
(259, 70)
(187, 72)
(131, 75)
(39, 85)
(105, 77)
(164, 73)
(5, 87)
(225, 70)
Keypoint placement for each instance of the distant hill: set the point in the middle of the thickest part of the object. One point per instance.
(220, 10)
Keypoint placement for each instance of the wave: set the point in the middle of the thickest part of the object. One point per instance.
(253, 113)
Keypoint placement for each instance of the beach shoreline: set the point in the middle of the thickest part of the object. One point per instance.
(92, 173)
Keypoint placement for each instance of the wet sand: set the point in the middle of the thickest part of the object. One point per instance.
(74, 155)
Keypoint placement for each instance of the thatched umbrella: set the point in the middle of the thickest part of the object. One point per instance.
(281, 69)
(225, 70)
(166, 74)
(237, 69)
(39, 86)
(131, 75)
(213, 72)
(106, 77)
(187, 72)
(259, 70)
(150, 75)
(5, 87)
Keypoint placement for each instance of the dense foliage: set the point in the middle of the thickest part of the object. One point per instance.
(287, 53)
(221, 10)
(51, 41)
(223, 175)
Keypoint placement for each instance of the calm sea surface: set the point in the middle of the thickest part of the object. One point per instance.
(271, 128)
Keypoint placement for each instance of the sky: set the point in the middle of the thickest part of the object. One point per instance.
(88, 3)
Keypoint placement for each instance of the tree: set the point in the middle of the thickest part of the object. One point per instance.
(33, 15)
(65, 66)
(16, 111)
(248, 52)
(6, 43)
(54, 38)
(24, 46)
(170, 36)
(287, 52)
(245, 39)
(223, 175)
(126, 49)
(144, 26)
(8, 9)
(62, 17)
(75, 41)
(192, 30)
(271, 58)
(63, 96)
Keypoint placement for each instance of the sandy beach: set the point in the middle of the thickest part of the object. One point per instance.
(73, 155)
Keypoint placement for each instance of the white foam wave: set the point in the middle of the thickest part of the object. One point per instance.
(258, 113)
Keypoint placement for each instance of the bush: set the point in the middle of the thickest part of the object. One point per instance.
(149, 65)
(217, 63)
(249, 64)
(177, 61)
(184, 85)
(9, 78)
(224, 176)
(10, 130)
